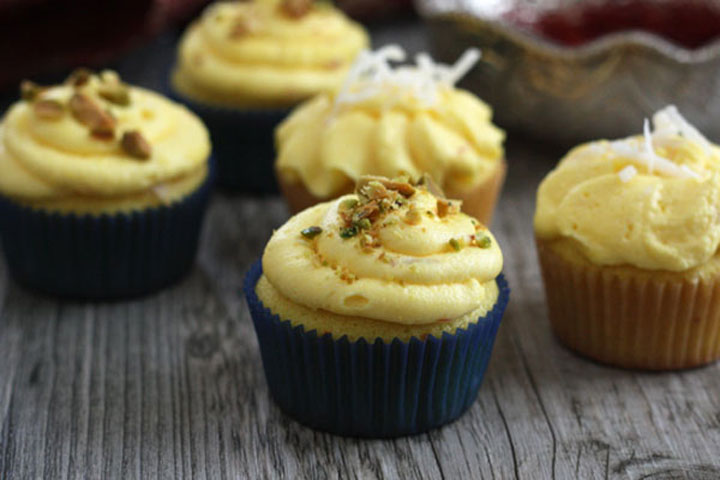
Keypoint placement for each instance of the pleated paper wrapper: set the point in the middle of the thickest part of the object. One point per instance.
(377, 388)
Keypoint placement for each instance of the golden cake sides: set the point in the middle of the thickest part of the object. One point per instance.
(97, 145)
(628, 235)
(392, 260)
(266, 53)
(406, 120)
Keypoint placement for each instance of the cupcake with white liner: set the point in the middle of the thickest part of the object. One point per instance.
(627, 234)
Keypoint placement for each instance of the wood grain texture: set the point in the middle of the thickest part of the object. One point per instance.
(171, 385)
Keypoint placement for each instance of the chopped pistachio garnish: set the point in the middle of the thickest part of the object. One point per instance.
(296, 8)
(135, 145)
(348, 203)
(455, 244)
(79, 77)
(29, 90)
(413, 216)
(483, 242)
(88, 112)
(115, 92)
(311, 232)
(48, 109)
(349, 232)
(364, 224)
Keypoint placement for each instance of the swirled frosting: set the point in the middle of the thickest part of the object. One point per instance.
(400, 256)
(100, 145)
(650, 201)
(255, 54)
(390, 122)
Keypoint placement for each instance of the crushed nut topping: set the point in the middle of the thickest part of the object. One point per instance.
(311, 232)
(446, 207)
(135, 145)
(455, 244)
(483, 242)
(48, 109)
(89, 113)
(363, 217)
(115, 92)
(296, 8)
(29, 90)
(79, 77)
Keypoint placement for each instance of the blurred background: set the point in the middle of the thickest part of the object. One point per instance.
(44, 40)
(563, 71)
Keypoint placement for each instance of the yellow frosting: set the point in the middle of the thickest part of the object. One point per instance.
(356, 327)
(410, 275)
(654, 218)
(56, 164)
(389, 122)
(277, 60)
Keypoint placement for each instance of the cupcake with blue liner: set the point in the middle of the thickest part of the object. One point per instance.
(242, 65)
(103, 187)
(376, 313)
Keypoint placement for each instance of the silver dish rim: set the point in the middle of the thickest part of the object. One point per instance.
(429, 10)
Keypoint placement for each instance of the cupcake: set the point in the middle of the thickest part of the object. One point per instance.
(376, 312)
(103, 187)
(392, 122)
(627, 234)
(242, 65)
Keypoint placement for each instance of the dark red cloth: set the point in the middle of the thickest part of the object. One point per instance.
(40, 36)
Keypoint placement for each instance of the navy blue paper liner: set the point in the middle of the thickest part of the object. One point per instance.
(243, 144)
(104, 256)
(376, 389)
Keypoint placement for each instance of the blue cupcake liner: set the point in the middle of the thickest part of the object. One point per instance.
(104, 256)
(377, 389)
(243, 144)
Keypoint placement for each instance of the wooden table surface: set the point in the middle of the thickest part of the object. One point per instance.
(171, 385)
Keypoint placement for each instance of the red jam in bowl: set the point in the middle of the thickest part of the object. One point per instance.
(691, 24)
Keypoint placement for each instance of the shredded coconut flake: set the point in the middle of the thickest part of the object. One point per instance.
(627, 173)
(372, 73)
(666, 123)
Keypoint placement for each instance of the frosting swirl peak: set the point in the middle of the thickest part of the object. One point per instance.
(266, 53)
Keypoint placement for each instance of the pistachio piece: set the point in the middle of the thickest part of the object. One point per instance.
(348, 204)
(89, 113)
(311, 232)
(29, 90)
(135, 145)
(483, 242)
(115, 92)
(374, 187)
(296, 8)
(104, 135)
(413, 216)
(455, 244)
(48, 109)
(364, 224)
(349, 232)
(79, 77)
